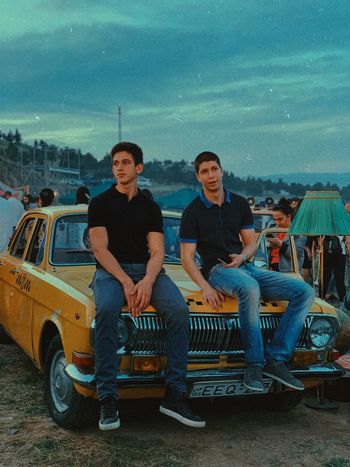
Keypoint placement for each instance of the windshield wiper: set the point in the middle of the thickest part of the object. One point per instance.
(79, 251)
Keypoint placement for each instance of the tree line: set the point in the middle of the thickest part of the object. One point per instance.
(163, 172)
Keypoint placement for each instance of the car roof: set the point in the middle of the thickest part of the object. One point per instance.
(57, 211)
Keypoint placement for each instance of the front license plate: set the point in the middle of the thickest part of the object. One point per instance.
(224, 388)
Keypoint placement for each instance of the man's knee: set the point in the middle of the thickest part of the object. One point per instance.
(305, 292)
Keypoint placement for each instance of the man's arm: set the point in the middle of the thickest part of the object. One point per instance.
(99, 244)
(211, 296)
(143, 289)
(347, 246)
(248, 237)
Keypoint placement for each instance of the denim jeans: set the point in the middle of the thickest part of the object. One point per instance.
(249, 283)
(169, 303)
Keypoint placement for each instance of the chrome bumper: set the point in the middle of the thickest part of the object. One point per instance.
(126, 380)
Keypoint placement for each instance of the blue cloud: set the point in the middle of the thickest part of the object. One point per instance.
(251, 79)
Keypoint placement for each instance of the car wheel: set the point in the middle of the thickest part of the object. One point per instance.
(281, 402)
(4, 338)
(67, 407)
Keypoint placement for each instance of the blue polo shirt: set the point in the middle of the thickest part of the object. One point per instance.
(215, 229)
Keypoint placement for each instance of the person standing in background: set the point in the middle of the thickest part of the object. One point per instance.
(82, 195)
(46, 197)
(27, 201)
(16, 209)
(5, 223)
(334, 261)
(281, 255)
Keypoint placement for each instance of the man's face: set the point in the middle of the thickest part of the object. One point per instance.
(210, 175)
(124, 169)
(281, 220)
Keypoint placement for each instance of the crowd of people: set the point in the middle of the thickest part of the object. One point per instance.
(336, 250)
(12, 209)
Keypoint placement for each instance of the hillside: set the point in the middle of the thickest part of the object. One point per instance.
(341, 179)
(63, 169)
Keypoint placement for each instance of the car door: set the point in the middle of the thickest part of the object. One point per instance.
(17, 301)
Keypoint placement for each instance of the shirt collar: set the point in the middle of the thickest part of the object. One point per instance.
(123, 195)
(209, 204)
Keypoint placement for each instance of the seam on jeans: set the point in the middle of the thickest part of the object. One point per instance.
(213, 269)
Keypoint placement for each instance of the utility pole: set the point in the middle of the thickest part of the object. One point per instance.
(46, 169)
(119, 123)
(68, 169)
(21, 152)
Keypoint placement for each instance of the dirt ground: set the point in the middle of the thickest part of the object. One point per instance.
(237, 434)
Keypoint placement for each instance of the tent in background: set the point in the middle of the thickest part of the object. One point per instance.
(178, 200)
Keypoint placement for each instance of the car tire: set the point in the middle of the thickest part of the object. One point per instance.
(66, 406)
(4, 338)
(281, 402)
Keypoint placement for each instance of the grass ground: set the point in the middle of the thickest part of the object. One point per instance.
(237, 434)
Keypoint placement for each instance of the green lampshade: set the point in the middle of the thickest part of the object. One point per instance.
(321, 213)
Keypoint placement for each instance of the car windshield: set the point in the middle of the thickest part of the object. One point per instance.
(71, 243)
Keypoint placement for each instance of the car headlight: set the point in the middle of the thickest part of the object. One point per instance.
(123, 333)
(321, 332)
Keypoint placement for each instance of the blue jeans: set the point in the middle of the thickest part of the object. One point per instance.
(249, 283)
(169, 303)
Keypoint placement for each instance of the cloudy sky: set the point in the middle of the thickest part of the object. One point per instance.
(264, 83)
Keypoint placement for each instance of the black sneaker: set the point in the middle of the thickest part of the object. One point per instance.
(279, 372)
(252, 378)
(109, 417)
(177, 406)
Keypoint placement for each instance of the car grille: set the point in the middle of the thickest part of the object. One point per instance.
(208, 333)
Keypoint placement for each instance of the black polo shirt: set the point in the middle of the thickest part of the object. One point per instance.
(127, 223)
(215, 229)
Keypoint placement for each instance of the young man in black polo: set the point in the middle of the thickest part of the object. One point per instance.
(126, 234)
(220, 225)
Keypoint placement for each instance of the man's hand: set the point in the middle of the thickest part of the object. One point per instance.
(128, 287)
(236, 261)
(141, 294)
(213, 297)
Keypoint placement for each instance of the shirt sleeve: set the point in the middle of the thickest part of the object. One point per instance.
(247, 216)
(96, 217)
(188, 228)
(156, 219)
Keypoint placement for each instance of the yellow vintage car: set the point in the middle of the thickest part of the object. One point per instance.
(46, 307)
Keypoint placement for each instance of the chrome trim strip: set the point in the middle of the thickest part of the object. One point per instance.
(330, 371)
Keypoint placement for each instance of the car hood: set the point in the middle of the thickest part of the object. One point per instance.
(80, 278)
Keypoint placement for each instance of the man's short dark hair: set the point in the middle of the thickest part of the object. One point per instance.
(206, 156)
(131, 148)
(47, 196)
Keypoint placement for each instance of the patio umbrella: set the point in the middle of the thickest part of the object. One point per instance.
(321, 213)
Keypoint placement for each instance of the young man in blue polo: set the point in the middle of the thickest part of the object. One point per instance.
(126, 234)
(219, 225)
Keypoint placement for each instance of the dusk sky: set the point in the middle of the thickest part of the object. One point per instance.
(264, 83)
